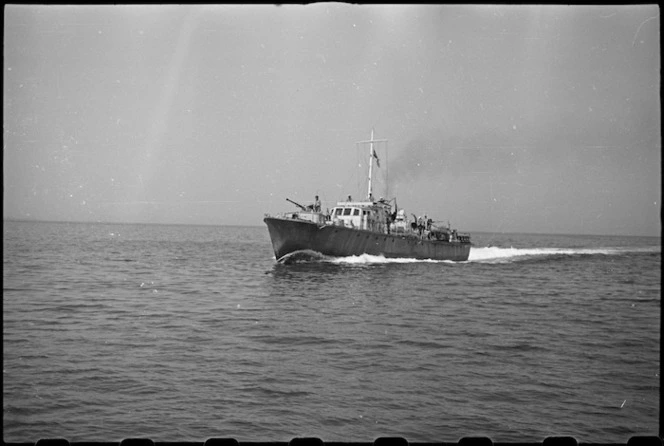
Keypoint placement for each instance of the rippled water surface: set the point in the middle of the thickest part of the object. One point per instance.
(192, 332)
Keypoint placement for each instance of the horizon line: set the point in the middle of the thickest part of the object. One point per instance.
(36, 220)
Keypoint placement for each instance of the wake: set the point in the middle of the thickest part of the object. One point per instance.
(493, 254)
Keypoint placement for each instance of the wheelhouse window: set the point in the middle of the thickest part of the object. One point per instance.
(356, 212)
(347, 211)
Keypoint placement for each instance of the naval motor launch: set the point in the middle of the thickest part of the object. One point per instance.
(370, 226)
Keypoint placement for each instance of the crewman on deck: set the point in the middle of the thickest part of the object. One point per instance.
(317, 204)
(388, 220)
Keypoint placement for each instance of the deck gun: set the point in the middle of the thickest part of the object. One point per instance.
(297, 204)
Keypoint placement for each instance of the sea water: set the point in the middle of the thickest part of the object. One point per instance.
(113, 331)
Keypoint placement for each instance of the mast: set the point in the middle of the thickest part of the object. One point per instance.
(371, 155)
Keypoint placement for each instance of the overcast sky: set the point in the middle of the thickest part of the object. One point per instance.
(502, 118)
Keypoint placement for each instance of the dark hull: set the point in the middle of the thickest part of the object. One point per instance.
(295, 235)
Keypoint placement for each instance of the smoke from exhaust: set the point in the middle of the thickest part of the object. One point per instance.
(430, 157)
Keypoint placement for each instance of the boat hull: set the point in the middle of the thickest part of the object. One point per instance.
(289, 236)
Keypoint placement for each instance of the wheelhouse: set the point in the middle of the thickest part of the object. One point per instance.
(360, 215)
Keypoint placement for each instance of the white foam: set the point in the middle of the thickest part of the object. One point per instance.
(490, 254)
(366, 259)
(496, 254)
